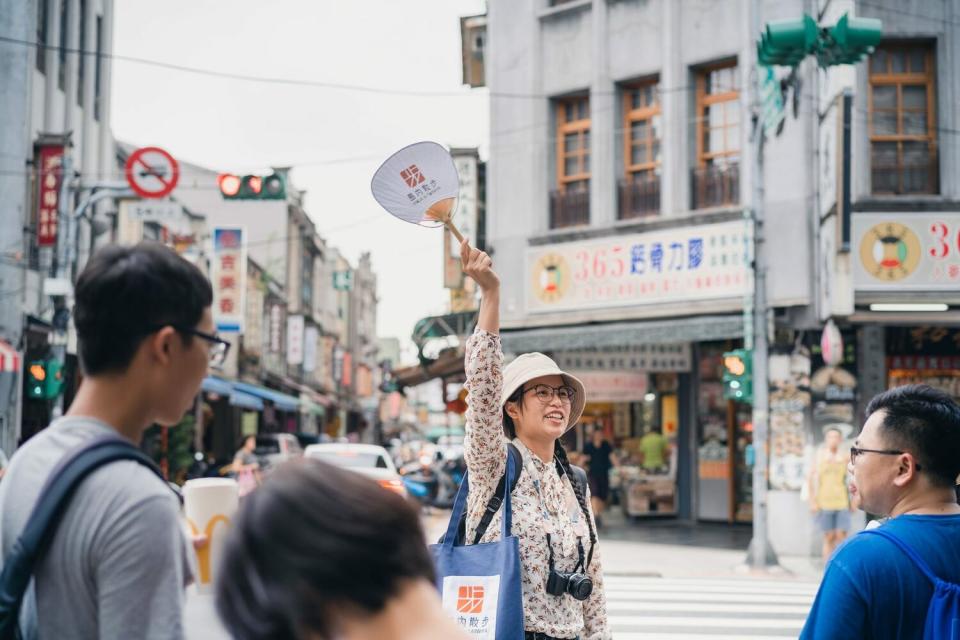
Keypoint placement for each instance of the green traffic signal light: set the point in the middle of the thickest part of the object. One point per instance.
(44, 380)
(786, 42)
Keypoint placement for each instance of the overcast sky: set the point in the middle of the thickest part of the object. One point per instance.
(234, 125)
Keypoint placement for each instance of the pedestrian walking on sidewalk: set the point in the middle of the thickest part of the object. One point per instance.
(600, 461)
(531, 403)
(246, 468)
(118, 562)
(320, 552)
(880, 583)
(829, 500)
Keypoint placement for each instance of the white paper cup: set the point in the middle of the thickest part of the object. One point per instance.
(209, 505)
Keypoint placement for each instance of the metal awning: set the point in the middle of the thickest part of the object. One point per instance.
(281, 401)
(246, 401)
(217, 385)
(583, 336)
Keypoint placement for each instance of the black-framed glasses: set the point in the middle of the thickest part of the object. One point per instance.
(219, 348)
(856, 451)
(546, 393)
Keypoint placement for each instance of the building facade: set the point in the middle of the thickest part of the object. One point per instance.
(619, 188)
(57, 118)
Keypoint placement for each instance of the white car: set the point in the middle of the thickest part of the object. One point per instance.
(367, 459)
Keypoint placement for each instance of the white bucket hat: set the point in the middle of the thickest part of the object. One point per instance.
(535, 365)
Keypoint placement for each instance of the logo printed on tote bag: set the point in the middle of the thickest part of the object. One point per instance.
(412, 176)
(470, 599)
(472, 602)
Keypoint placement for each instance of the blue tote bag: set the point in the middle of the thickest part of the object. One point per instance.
(480, 583)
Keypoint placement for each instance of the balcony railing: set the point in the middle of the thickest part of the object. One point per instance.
(715, 186)
(569, 208)
(918, 178)
(638, 198)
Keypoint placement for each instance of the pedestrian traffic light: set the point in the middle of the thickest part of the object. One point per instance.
(787, 42)
(44, 379)
(848, 41)
(250, 187)
(738, 375)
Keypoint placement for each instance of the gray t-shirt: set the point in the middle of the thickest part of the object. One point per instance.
(118, 564)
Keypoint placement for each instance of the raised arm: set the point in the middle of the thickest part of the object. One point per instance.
(483, 445)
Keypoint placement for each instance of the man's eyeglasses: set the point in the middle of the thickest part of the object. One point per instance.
(219, 348)
(546, 393)
(856, 451)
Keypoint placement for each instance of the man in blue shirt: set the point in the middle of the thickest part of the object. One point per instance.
(904, 465)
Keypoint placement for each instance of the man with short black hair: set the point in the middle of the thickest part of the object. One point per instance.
(117, 566)
(904, 463)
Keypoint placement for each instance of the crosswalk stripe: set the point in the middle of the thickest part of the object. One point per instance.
(615, 595)
(706, 608)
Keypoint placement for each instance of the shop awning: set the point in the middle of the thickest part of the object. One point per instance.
(281, 401)
(582, 336)
(311, 407)
(9, 358)
(246, 401)
(217, 385)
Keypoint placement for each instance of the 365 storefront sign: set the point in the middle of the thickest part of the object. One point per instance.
(673, 265)
(906, 251)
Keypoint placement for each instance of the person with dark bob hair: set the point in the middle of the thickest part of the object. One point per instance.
(320, 552)
(905, 462)
(118, 562)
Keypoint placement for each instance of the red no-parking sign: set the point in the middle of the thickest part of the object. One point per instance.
(152, 172)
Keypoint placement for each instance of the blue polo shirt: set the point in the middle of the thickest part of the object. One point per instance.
(871, 589)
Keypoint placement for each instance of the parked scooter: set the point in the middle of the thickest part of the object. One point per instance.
(420, 480)
(450, 473)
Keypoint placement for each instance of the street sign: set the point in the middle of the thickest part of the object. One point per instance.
(152, 172)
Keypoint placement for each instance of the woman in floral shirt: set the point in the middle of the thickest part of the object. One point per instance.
(532, 403)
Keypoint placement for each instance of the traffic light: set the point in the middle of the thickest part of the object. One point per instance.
(250, 187)
(786, 42)
(848, 41)
(44, 379)
(738, 375)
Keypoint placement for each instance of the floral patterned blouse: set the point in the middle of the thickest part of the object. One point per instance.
(552, 508)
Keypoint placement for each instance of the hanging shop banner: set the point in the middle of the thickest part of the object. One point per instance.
(674, 265)
(906, 251)
(655, 358)
(50, 161)
(294, 340)
(310, 337)
(613, 386)
(229, 273)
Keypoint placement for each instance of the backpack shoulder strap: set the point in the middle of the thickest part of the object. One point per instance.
(908, 550)
(493, 504)
(42, 524)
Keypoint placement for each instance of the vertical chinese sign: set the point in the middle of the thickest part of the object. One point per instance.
(229, 278)
(50, 162)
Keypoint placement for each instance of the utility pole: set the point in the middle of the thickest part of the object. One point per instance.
(761, 553)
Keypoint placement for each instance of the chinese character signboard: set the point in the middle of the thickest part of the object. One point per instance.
(228, 275)
(613, 386)
(50, 163)
(295, 340)
(906, 251)
(674, 265)
(629, 357)
(310, 338)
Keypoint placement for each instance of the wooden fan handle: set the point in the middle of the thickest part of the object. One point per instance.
(453, 229)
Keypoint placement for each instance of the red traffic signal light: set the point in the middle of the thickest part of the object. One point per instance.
(251, 187)
(229, 185)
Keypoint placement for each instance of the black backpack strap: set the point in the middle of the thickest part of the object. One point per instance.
(496, 500)
(32, 543)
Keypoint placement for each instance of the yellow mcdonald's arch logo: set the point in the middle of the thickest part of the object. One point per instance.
(203, 554)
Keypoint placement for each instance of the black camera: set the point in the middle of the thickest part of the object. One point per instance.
(573, 582)
(576, 584)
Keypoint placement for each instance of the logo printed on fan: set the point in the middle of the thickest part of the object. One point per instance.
(412, 176)
(470, 599)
